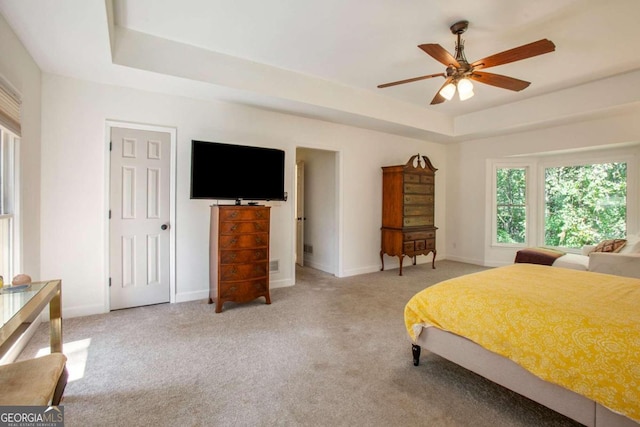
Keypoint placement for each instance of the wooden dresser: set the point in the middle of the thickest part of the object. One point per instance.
(239, 254)
(408, 210)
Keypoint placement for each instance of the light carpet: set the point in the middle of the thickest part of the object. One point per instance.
(327, 352)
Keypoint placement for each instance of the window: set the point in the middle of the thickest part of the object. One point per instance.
(511, 205)
(10, 129)
(8, 146)
(564, 201)
(585, 204)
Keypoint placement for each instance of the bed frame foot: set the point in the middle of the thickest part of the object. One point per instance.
(415, 349)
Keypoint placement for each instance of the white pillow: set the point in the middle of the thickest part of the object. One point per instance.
(632, 246)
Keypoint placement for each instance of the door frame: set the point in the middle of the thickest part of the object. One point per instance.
(299, 217)
(109, 124)
(338, 213)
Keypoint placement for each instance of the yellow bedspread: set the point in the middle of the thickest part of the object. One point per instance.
(577, 329)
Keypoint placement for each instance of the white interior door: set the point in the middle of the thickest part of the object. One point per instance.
(139, 223)
(300, 213)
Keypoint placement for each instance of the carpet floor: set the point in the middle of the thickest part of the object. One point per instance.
(327, 352)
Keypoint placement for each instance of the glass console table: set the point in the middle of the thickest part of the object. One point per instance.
(20, 307)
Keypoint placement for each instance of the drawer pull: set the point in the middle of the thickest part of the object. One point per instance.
(234, 227)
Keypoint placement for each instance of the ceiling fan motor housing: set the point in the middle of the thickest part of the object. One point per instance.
(459, 27)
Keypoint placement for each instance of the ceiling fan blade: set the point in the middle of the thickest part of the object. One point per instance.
(498, 80)
(414, 79)
(440, 54)
(439, 99)
(516, 54)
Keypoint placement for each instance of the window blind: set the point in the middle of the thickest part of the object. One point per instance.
(9, 111)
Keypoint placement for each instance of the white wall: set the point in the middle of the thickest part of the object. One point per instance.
(21, 72)
(74, 198)
(468, 238)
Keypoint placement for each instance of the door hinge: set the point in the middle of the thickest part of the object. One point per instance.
(110, 146)
(109, 213)
(109, 281)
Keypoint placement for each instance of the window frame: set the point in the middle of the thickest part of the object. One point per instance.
(11, 251)
(494, 202)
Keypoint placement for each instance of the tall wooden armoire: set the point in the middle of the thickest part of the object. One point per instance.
(408, 210)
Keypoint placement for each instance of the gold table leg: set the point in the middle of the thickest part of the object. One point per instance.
(55, 320)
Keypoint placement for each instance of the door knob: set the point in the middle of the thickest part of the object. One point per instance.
(164, 226)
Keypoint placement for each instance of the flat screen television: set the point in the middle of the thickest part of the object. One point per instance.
(236, 172)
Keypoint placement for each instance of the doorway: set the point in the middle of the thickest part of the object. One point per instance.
(317, 183)
(141, 212)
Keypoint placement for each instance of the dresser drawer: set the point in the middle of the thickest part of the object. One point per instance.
(241, 227)
(408, 247)
(417, 235)
(243, 241)
(417, 188)
(418, 210)
(427, 179)
(418, 246)
(231, 272)
(411, 178)
(415, 221)
(243, 214)
(243, 291)
(418, 199)
(242, 256)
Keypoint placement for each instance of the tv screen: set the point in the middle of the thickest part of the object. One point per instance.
(236, 172)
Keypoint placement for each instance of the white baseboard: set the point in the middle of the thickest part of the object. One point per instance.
(361, 270)
(86, 310)
(282, 283)
(318, 266)
(466, 260)
(192, 296)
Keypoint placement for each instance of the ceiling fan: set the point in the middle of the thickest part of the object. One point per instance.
(460, 72)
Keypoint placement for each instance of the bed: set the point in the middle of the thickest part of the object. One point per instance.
(567, 339)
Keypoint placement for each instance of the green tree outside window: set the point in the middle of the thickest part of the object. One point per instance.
(585, 204)
(511, 209)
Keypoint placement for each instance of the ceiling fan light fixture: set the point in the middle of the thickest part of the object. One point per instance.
(448, 91)
(464, 97)
(465, 89)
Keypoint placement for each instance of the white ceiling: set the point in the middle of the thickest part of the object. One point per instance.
(324, 59)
